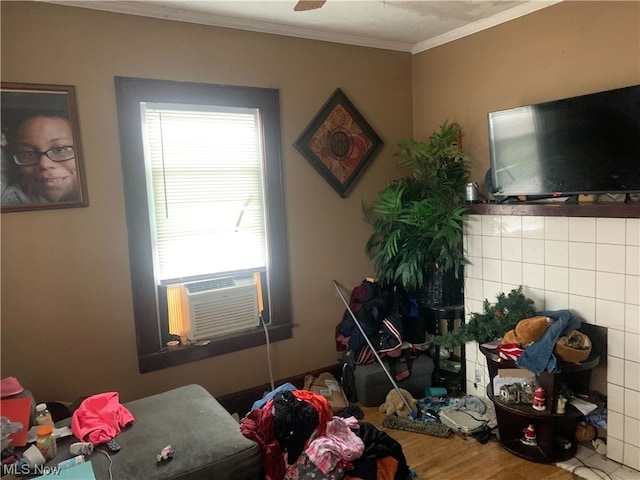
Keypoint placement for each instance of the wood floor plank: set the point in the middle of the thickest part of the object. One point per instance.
(453, 458)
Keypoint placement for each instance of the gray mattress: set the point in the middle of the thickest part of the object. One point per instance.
(206, 440)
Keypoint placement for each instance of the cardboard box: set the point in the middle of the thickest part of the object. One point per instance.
(515, 372)
(509, 376)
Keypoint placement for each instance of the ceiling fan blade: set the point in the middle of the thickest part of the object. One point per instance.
(304, 5)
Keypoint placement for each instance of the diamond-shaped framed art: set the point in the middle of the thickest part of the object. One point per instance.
(339, 143)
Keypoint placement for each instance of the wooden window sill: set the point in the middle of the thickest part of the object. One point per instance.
(191, 353)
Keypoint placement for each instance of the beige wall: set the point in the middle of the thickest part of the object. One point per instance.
(569, 49)
(67, 327)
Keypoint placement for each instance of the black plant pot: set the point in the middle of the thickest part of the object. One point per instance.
(440, 289)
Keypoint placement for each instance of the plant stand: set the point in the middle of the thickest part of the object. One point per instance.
(449, 372)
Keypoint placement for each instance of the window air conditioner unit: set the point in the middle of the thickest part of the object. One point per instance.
(221, 306)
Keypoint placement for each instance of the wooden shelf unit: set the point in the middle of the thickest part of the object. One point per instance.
(605, 210)
(551, 428)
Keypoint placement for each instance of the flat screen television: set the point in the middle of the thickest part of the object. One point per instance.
(579, 145)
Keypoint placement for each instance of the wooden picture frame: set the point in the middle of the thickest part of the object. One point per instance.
(339, 143)
(39, 131)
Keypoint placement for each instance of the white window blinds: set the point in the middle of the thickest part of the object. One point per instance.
(205, 168)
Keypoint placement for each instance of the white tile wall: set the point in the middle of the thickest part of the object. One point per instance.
(588, 265)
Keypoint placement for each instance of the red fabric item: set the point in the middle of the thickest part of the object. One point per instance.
(359, 296)
(17, 410)
(321, 404)
(99, 418)
(509, 351)
(386, 468)
(258, 426)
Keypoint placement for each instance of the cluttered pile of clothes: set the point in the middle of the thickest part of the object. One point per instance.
(301, 438)
(468, 415)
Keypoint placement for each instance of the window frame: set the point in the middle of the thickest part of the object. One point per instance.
(150, 339)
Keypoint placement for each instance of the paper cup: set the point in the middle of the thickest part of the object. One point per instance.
(33, 456)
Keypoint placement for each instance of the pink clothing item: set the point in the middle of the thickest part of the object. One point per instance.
(304, 469)
(99, 418)
(340, 447)
(10, 386)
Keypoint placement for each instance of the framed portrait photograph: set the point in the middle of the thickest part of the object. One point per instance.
(42, 165)
(339, 143)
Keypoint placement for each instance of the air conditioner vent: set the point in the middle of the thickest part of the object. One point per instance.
(222, 306)
(212, 284)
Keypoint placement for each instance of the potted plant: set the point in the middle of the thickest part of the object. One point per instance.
(496, 320)
(417, 219)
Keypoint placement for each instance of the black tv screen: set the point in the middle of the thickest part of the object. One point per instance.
(580, 145)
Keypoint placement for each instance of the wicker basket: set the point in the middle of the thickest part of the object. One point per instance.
(575, 347)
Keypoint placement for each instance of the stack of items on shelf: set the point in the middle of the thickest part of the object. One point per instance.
(539, 371)
(540, 343)
(300, 437)
(517, 385)
(544, 338)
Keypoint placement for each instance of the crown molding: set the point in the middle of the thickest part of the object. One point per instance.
(141, 8)
(475, 27)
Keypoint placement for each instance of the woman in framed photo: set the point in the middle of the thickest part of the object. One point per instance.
(41, 161)
(42, 149)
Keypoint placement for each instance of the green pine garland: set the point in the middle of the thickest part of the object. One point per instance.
(496, 320)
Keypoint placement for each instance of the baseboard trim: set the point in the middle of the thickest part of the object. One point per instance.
(241, 402)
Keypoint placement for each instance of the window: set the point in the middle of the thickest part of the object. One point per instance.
(204, 200)
(206, 196)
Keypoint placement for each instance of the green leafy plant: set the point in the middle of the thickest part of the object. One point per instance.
(417, 219)
(496, 320)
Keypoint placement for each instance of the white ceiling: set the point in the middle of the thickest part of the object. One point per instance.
(410, 26)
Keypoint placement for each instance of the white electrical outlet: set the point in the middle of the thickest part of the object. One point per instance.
(478, 377)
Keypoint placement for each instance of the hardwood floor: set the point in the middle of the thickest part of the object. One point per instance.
(454, 458)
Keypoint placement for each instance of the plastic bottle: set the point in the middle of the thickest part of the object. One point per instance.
(71, 462)
(46, 442)
(43, 416)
